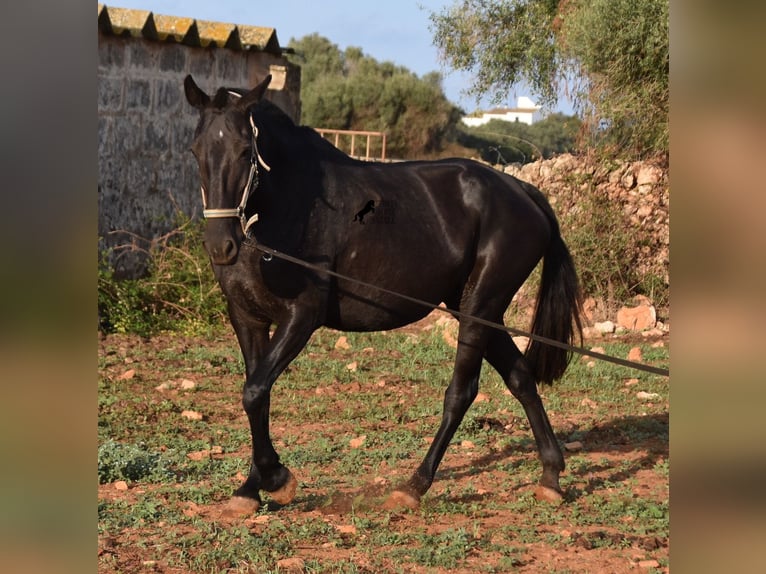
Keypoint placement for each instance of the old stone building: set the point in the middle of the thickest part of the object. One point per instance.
(146, 173)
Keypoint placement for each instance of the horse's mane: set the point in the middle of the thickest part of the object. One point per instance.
(299, 137)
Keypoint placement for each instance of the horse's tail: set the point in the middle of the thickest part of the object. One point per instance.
(557, 313)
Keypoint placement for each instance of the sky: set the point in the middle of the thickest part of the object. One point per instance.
(397, 31)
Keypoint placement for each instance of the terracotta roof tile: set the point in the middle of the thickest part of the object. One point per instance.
(145, 24)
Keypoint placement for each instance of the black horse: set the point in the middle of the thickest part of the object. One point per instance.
(455, 232)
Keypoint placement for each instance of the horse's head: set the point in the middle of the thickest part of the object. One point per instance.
(225, 146)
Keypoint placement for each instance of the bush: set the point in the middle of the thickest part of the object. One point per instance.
(179, 292)
(118, 461)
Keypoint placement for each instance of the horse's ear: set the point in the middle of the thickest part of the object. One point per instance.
(194, 95)
(254, 96)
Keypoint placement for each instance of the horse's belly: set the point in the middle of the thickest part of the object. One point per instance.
(381, 304)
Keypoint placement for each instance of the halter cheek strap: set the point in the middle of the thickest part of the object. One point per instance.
(252, 183)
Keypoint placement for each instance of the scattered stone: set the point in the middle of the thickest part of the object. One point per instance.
(591, 333)
(342, 343)
(187, 384)
(605, 327)
(352, 366)
(358, 441)
(644, 396)
(197, 455)
(648, 174)
(192, 415)
(631, 382)
(127, 375)
(573, 446)
(648, 564)
(639, 318)
(482, 398)
(121, 485)
(635, 355)
(163, 387)
(467, 444)
(346, 528)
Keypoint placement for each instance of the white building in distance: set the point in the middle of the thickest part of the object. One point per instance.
(526, 112)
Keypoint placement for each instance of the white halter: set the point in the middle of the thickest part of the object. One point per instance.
(252, 183)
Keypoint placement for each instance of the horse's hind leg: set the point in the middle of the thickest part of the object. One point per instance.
(460, 394)
(505, 357)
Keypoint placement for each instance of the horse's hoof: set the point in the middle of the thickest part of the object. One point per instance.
(399, 499)
(548, 494)
(239, 507)
(286, 493)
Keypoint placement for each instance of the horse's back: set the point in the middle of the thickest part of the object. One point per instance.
(432, 222)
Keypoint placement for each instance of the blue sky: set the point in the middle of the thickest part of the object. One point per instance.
(389, 30)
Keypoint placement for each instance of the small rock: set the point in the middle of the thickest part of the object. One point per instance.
(352, 366)
(605, 327)
(573, 446)
(342, 343)
(357, 442)
(121, 485)
(648, 564)
(192, 415)
(644, 396)
(467, 444)
(197, 455)
(346, 528)
(591, 333)
(163, 387)
(127, 375)
(631, 382)
(294, 564)
(481, 398)
(187, 384)
(639, 318)
(635, 355)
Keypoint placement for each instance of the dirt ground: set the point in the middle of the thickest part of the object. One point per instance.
(473, 477)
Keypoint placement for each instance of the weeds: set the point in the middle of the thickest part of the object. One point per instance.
(179, 292)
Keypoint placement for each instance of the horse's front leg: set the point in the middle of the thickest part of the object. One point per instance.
(266, 471)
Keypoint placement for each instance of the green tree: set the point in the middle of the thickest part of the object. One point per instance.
(502, 142)
(611, 55)
(350, 90)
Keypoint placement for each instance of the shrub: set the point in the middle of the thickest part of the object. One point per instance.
(178, 293)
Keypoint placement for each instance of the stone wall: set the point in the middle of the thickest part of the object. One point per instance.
(146, 173)
(639, 189)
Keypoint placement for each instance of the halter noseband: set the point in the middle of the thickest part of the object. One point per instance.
(250, 186)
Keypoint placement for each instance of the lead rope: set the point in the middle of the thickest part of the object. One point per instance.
(545, 340)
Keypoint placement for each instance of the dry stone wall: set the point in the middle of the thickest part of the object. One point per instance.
(639, 189)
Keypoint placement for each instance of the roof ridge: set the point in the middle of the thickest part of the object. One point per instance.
(190, 31)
